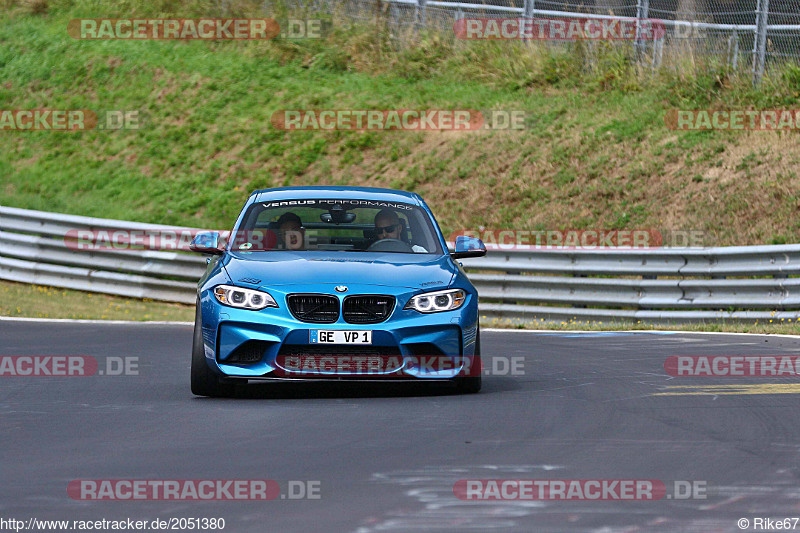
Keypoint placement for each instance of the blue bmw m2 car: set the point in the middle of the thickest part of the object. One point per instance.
(334, 283)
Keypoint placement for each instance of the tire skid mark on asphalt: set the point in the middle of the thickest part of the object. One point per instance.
(578, 385)
(770, 500)
(732, 499)
(433, 488)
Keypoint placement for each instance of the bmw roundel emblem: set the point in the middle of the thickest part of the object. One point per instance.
(340, 288)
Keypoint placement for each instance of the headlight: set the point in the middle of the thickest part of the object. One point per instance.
(433, 302)
(243, 298)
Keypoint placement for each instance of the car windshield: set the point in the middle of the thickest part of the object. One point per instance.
(355, 225)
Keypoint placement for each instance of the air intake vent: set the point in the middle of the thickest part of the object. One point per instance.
(315, 308)
(367, 309)
(248, 353)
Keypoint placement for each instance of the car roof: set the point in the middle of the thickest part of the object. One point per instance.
(359, 193)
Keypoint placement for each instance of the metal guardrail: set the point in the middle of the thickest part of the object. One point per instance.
(33, 249)
(778, 261)
(660, 285)
(86, 279)
(694, 284)
(145, 262)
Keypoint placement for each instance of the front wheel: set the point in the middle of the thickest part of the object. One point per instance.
(205, 382)
(472, 384)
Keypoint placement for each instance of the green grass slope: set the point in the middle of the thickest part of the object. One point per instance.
(596, 152)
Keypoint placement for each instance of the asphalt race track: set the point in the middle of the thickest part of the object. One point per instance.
(586, 406)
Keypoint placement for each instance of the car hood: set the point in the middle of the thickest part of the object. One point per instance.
(274, 268)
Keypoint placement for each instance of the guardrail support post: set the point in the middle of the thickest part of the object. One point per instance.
(421, 12)
(733, 50)
(760, 46)
(527, 13)
(529, 6)
(658, 53)
(642, 12)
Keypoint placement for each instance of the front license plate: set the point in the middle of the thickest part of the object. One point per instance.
(339, 336)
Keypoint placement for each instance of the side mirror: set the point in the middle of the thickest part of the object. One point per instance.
(206, 242)
(468, 247)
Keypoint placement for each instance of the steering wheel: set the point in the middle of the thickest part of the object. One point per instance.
(390, 245)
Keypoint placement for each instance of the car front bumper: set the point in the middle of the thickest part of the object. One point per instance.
(272, 343)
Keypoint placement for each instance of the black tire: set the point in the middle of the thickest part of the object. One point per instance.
(472, 384)
(205, 382)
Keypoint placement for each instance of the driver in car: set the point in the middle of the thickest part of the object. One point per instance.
(291, 231)
(389, 226)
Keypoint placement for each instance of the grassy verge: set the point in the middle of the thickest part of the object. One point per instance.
(596, 152)
(36, 301)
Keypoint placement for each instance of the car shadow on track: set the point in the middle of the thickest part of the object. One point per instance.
(357, 389)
